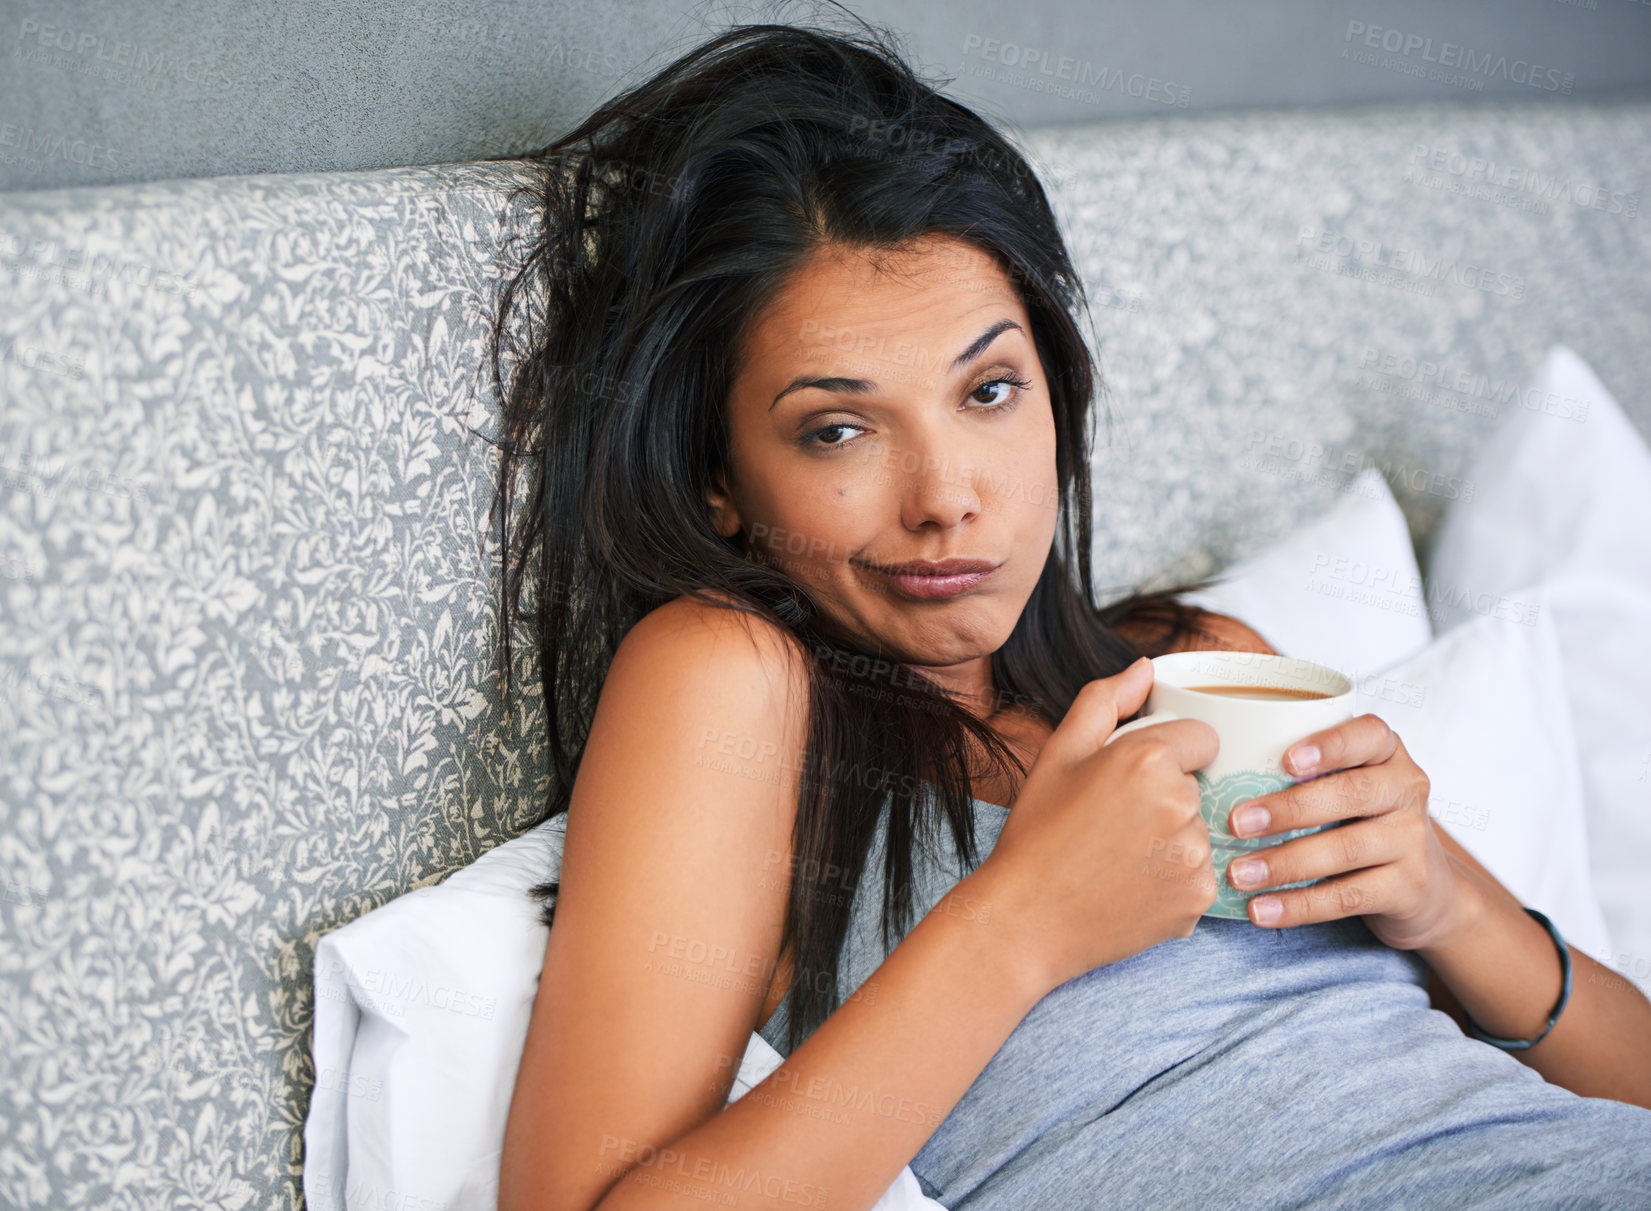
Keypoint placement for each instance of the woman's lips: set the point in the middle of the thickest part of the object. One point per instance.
(928, 587)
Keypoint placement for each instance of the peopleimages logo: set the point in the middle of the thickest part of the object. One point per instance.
(1518, 179)
(39, 43)
(34, 145)
(1427, 372)
(1082, 74)
(401, 991)
(1454, 55)
(1410, 261)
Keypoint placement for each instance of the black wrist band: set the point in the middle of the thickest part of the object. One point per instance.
(1564, 996)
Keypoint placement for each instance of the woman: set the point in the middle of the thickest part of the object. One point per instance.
(805, 405)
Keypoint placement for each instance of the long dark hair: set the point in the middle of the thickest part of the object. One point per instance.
(663, 224)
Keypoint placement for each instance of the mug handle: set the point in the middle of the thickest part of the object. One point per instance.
(1155, 717)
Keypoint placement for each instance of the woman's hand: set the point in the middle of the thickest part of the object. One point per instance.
(1385, 863)
(1104, 853)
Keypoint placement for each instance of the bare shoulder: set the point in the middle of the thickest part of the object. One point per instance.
(1215, 632)
(1227, 633)
(674, 880)
(743, 641)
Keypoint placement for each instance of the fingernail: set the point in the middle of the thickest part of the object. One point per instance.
(1246, 872)
(1252, 819)
(1267, 910)
(1304, 759)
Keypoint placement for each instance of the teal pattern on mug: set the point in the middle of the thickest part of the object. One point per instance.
(1216, 799)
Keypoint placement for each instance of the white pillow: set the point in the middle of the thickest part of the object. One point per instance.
(421, 1012)
(1483, 711)
(1562, 510)
(1343, 590)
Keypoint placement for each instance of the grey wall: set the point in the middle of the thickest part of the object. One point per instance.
(93, 92)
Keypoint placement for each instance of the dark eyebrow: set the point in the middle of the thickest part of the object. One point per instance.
(863, 386)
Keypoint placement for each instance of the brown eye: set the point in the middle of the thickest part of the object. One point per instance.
(1002, 401)
(807, 440)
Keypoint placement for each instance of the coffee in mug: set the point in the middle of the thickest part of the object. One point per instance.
(1258, 691)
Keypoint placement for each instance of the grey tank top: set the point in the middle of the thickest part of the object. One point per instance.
(1244, 1067)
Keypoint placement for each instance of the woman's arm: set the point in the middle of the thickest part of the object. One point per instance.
(835, 1123)
(673, 888)
(1499, 966)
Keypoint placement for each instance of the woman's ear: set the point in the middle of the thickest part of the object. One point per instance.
(725, 517)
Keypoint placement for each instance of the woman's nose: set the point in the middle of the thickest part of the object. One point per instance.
(937, 483)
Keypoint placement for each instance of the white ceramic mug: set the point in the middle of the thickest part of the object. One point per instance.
(1254, 733)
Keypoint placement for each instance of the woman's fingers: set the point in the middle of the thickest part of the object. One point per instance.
(1355, 846)
(1393, 881)
(1339, 796)
(1361, 740)
(1384, 780)
(1369, 891)
(1383, 862)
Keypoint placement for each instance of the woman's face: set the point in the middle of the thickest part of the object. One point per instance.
(895, 412)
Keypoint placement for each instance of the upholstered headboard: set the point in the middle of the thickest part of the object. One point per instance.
(247, 682)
